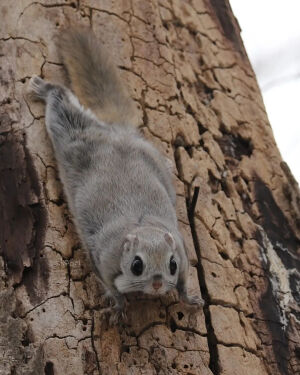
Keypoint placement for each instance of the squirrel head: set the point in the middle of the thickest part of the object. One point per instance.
(151, 261)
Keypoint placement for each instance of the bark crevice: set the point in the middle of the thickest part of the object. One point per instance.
(211, 337)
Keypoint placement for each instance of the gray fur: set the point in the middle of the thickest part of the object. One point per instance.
(120, 193)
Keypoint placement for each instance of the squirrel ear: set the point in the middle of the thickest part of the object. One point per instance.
(170, 240)
(130, 241)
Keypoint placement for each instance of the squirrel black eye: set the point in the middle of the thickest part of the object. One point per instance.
(173, 265)
(137, 266)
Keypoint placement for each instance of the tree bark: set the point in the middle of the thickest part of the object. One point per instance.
(199, 102)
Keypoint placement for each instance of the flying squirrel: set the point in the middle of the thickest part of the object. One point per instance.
(118, 186)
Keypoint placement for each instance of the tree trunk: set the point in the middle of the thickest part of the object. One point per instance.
(199, 102)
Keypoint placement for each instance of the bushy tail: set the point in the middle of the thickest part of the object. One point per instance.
(94, 78)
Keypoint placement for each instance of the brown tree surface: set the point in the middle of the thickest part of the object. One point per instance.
(199, 102)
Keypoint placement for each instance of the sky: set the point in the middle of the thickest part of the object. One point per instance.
(271, 35)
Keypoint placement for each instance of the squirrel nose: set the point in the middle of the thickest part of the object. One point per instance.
(157, 281)
(156, 284)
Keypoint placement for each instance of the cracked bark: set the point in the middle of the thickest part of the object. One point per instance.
(199, 102)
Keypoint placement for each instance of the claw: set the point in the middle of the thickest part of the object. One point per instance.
(117, 317)
(113, 315)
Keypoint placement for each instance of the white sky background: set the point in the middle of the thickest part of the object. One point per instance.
(271, 35)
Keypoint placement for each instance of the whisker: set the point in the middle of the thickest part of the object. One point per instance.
(169, 283)
(133, 286)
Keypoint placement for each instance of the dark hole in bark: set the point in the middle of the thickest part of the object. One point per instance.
(209, 92)
(49, 368)
(189, 150)
(125, 349)
(201, 128)
(235, 146)
(173, 325)
(180, 315)
(25, 341)
(224, 255)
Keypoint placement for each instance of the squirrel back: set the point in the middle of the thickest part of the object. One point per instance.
(94, 78)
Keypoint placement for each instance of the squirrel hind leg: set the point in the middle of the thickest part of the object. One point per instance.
(38, 89)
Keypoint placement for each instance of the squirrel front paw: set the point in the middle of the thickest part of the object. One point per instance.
(38, 89)
(194, 300)
(113, 315)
